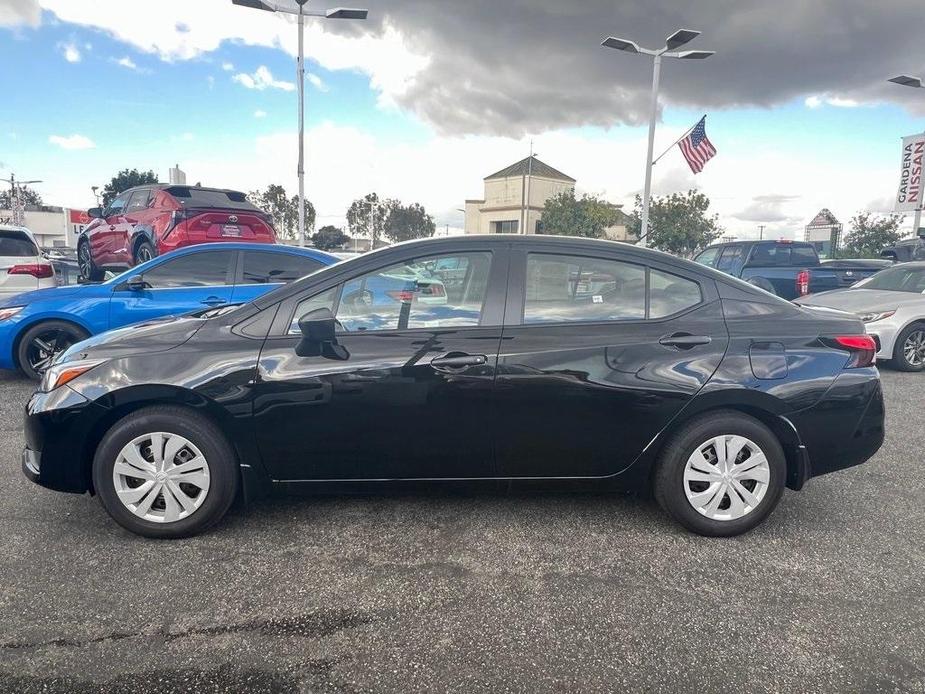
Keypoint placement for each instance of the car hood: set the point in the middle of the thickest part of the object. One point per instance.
(141, 338)
(863, 300)
(41, 295)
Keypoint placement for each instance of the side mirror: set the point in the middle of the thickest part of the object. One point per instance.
(95, 213)
(135, 284)
(318, 326)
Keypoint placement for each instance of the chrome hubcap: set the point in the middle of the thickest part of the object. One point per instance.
(144, 254)
(161, 477)
(726, 477)
(83, 260)
(914, 348)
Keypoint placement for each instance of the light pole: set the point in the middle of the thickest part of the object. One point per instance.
(916, 83)
(297, 8)
(673, 42)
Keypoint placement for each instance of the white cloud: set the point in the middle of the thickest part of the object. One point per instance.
(817, 100)
(151, 27)
(16, 12)
(316, 81)
(262, 79)
(227, 67)
(70, 51)
(72, 141)
(127, 63)
(260, 113)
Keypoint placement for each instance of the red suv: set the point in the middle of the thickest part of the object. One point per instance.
(147, 221)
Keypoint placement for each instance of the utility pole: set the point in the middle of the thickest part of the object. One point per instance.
(17, 204)
(760, 232)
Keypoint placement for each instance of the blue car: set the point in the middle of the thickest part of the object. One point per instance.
(36, 326)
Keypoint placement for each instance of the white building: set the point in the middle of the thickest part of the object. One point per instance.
(53, 227)
(515, 197)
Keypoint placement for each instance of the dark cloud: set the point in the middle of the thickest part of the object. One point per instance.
(515, 66)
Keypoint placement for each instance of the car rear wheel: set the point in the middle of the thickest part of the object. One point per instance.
(42, 343)
(721, 474)
(144, 252)
(86, 266)
(909, 351)
(165, 472)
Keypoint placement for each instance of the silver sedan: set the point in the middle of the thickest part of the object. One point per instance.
(892, 306)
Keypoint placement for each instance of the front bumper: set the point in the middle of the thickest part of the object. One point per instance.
(59, 427)
(884, 333)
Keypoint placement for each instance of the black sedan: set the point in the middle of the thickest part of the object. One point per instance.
(492, 360)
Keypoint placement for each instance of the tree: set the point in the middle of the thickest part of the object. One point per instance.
(329, 237)
(368, 216)
(27, 196)
(589, 215)
(678, 223)
(125, 179)
(409, 222)
(868, 234)
(283, 210)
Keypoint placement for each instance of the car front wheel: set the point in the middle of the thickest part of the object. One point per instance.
(720, 475)
(165, 472)
(41, 344)
(86, 266)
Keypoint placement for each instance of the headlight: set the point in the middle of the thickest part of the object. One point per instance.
(874, 316)
(58, 374)
(10, 311)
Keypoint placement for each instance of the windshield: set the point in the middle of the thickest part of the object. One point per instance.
(896, 279)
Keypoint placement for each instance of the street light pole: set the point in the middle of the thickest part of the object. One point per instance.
(676, 40)
(297, 8)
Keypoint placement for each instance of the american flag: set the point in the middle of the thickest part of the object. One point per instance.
(697, 148)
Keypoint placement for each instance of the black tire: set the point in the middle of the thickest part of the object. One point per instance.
(669, 482)
(198, 430)
(144, 251)
(85, 264)
(900, 361)
(44, 341)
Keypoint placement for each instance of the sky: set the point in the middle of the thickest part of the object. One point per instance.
(428, 97)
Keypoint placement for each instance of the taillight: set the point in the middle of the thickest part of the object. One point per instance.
(38, 270)
(803, 282)
(862, 349)
(405, 296)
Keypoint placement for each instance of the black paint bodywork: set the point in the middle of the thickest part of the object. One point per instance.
(590, 402)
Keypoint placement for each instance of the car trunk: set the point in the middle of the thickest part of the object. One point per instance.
(22, 266)
(203, 226)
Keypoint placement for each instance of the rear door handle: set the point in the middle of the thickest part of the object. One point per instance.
(685, 341)
(458, 360)
(214, 301)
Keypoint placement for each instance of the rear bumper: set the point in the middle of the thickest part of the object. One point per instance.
(846, 427)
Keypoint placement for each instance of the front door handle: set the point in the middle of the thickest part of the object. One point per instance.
(112, 227)
(214, 301)
(458, 360)
(685, 340)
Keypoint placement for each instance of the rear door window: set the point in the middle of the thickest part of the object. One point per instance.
(264, 267)
(139, 201)
(670, 294)
(709, 256)
(729, 258)
(563, 288)
(208, 269)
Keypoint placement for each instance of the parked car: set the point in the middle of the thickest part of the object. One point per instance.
(35, 327)
(669, 374)
(151, 220)
(905, 250)
(892, 305)
(786, 268)
(850, 271)
(23, 266)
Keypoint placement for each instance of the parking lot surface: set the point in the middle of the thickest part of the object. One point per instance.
(464, 593)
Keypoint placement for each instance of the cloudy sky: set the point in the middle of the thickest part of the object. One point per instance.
(429, 96)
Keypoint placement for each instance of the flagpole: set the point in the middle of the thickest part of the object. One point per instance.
(686, 133)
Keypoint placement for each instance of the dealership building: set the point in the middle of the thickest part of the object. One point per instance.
(53, 227)
(515, 197)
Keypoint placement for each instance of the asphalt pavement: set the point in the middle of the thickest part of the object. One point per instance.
(473, 593)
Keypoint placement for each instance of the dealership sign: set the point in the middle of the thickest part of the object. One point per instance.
(909, 197)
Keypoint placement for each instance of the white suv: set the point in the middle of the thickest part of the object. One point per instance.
(22, 265)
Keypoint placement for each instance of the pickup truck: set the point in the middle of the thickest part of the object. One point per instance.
(788, 269)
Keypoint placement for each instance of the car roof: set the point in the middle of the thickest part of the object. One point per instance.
(245, 246)
(164, 186)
